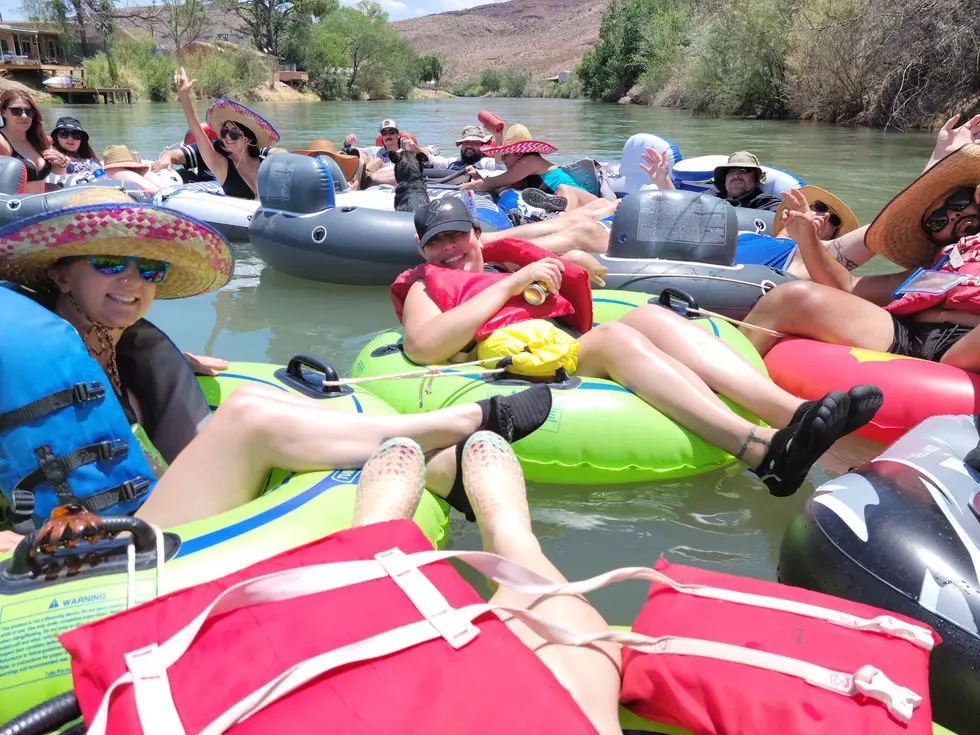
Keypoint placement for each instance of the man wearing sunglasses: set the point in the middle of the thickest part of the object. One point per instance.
(740, 183)
(930, 310)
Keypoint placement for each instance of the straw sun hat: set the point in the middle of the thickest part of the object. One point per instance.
(106, 221)
(848, 220)
(224, 110)
(897, 231)
(325, 147)
(119, 156)
(517, 139)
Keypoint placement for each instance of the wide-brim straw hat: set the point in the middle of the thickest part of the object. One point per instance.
(223, 109)
(848, 220)
(106, 221)
(119, 156)
(325, 147)
(897, 231)
(517, 139)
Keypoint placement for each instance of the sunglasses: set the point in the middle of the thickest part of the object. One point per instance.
(232, 134)
(745, 171)
(822, 208)
(72, 134)
(389, 131)
(151, 271)
(957, 201)
(21, 111)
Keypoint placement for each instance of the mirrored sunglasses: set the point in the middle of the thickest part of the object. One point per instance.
(151, 271)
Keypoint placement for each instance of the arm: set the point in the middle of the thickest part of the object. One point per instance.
(821, 266)
(432, 336)
(951, 139)
(170, 158)
(58, 160)
(656, 167)
(141, 181)
(848, 250)
(513, 175)
(214, 160)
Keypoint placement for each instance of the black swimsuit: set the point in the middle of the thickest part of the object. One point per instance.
(32, 173)
(235, 186)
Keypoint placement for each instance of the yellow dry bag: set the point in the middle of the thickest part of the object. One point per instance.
(538, 348)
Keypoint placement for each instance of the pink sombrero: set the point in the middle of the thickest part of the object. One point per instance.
(106, 221)
(518, 139)
(223, 110)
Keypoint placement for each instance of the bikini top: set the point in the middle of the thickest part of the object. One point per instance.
(32, 173)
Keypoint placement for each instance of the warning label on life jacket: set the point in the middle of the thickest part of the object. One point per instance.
(32, 660)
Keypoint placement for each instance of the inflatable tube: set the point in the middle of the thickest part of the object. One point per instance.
(914, 389)
(207, 202)
(684, 240)
(306, 229)
(13, 175)
(697, 174)
(630, 176)
(14, 208)
(598, 431)
(292, 510)
(903, 533)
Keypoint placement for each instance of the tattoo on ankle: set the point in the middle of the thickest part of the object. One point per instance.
(751, 439)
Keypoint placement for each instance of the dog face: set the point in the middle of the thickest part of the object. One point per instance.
(408, 165)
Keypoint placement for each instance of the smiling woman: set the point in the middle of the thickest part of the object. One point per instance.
(23, 137)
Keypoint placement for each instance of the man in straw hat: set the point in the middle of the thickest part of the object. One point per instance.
(100, 262)
(933, 223)
(349, 167)
(740, 182)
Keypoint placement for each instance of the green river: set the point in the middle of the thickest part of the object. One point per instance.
(726, 520)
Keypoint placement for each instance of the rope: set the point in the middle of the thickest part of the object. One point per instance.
(732, 320)
(427, 375)
(765, 285)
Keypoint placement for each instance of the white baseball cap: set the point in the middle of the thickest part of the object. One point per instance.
(388, 124)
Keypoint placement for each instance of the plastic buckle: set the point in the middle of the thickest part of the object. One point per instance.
(22, 503)
(132, 489)
(111, 449)
(84, 392)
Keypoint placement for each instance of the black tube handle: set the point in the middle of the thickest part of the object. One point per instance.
(144, 540)
(688, 305)
(45, 717)
(295, 370)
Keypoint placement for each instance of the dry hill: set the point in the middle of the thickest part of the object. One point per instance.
(540, 36)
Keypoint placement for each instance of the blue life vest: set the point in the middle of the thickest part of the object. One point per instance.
(63, 435)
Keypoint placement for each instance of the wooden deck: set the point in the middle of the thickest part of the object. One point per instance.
(91, 94)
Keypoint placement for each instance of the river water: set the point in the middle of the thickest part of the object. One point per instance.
(726, 520)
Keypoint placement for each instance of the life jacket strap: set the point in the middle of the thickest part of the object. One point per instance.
(78, 393)
(55, 470)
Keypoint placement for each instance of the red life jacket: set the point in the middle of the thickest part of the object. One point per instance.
(490, 683)
(449, 288)
(962, 297)
(694, 691)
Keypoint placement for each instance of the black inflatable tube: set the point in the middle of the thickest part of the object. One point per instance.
(45, 717)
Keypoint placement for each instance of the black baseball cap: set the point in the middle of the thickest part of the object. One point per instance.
(448, 214)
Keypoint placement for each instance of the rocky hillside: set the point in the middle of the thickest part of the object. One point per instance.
(540, 36)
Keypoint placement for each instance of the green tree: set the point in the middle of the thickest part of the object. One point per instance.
(515, 82)
(430, 68)
(270, 21)
(491, 80)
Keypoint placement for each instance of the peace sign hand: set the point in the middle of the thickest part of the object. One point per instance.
(182, 83)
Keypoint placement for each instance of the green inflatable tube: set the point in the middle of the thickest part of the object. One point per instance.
(291, 511)
(598, 431)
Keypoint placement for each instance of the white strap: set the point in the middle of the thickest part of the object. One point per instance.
(441, 620)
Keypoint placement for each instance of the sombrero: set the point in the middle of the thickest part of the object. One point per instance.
(106, 221)
(848, 220)
(223, 109)
(119, 156)
(897, 231)
(324, 147)
(518, 139)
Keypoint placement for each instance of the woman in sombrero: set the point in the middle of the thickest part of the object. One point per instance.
(542, 183)
(242, 134)
(99, 264)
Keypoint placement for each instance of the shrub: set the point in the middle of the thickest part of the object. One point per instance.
(491, 80)
(515, 82)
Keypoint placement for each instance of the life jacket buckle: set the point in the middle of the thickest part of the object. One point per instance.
(22, 503)
(132, 489)
(84, 392)
(111, 449)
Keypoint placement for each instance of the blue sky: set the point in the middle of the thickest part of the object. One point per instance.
(397, 9)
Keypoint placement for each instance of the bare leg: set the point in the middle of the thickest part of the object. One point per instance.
(805, 309)
(621, 353)
(495, 486)
(965, 354)
(576, 197)
(717, 364)
(259, 428)
(558, 235)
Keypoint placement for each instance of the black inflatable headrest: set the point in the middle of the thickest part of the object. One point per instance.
(296, 183)
(13, 175)
(674, 225)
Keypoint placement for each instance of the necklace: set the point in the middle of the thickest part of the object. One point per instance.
(104, 345)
